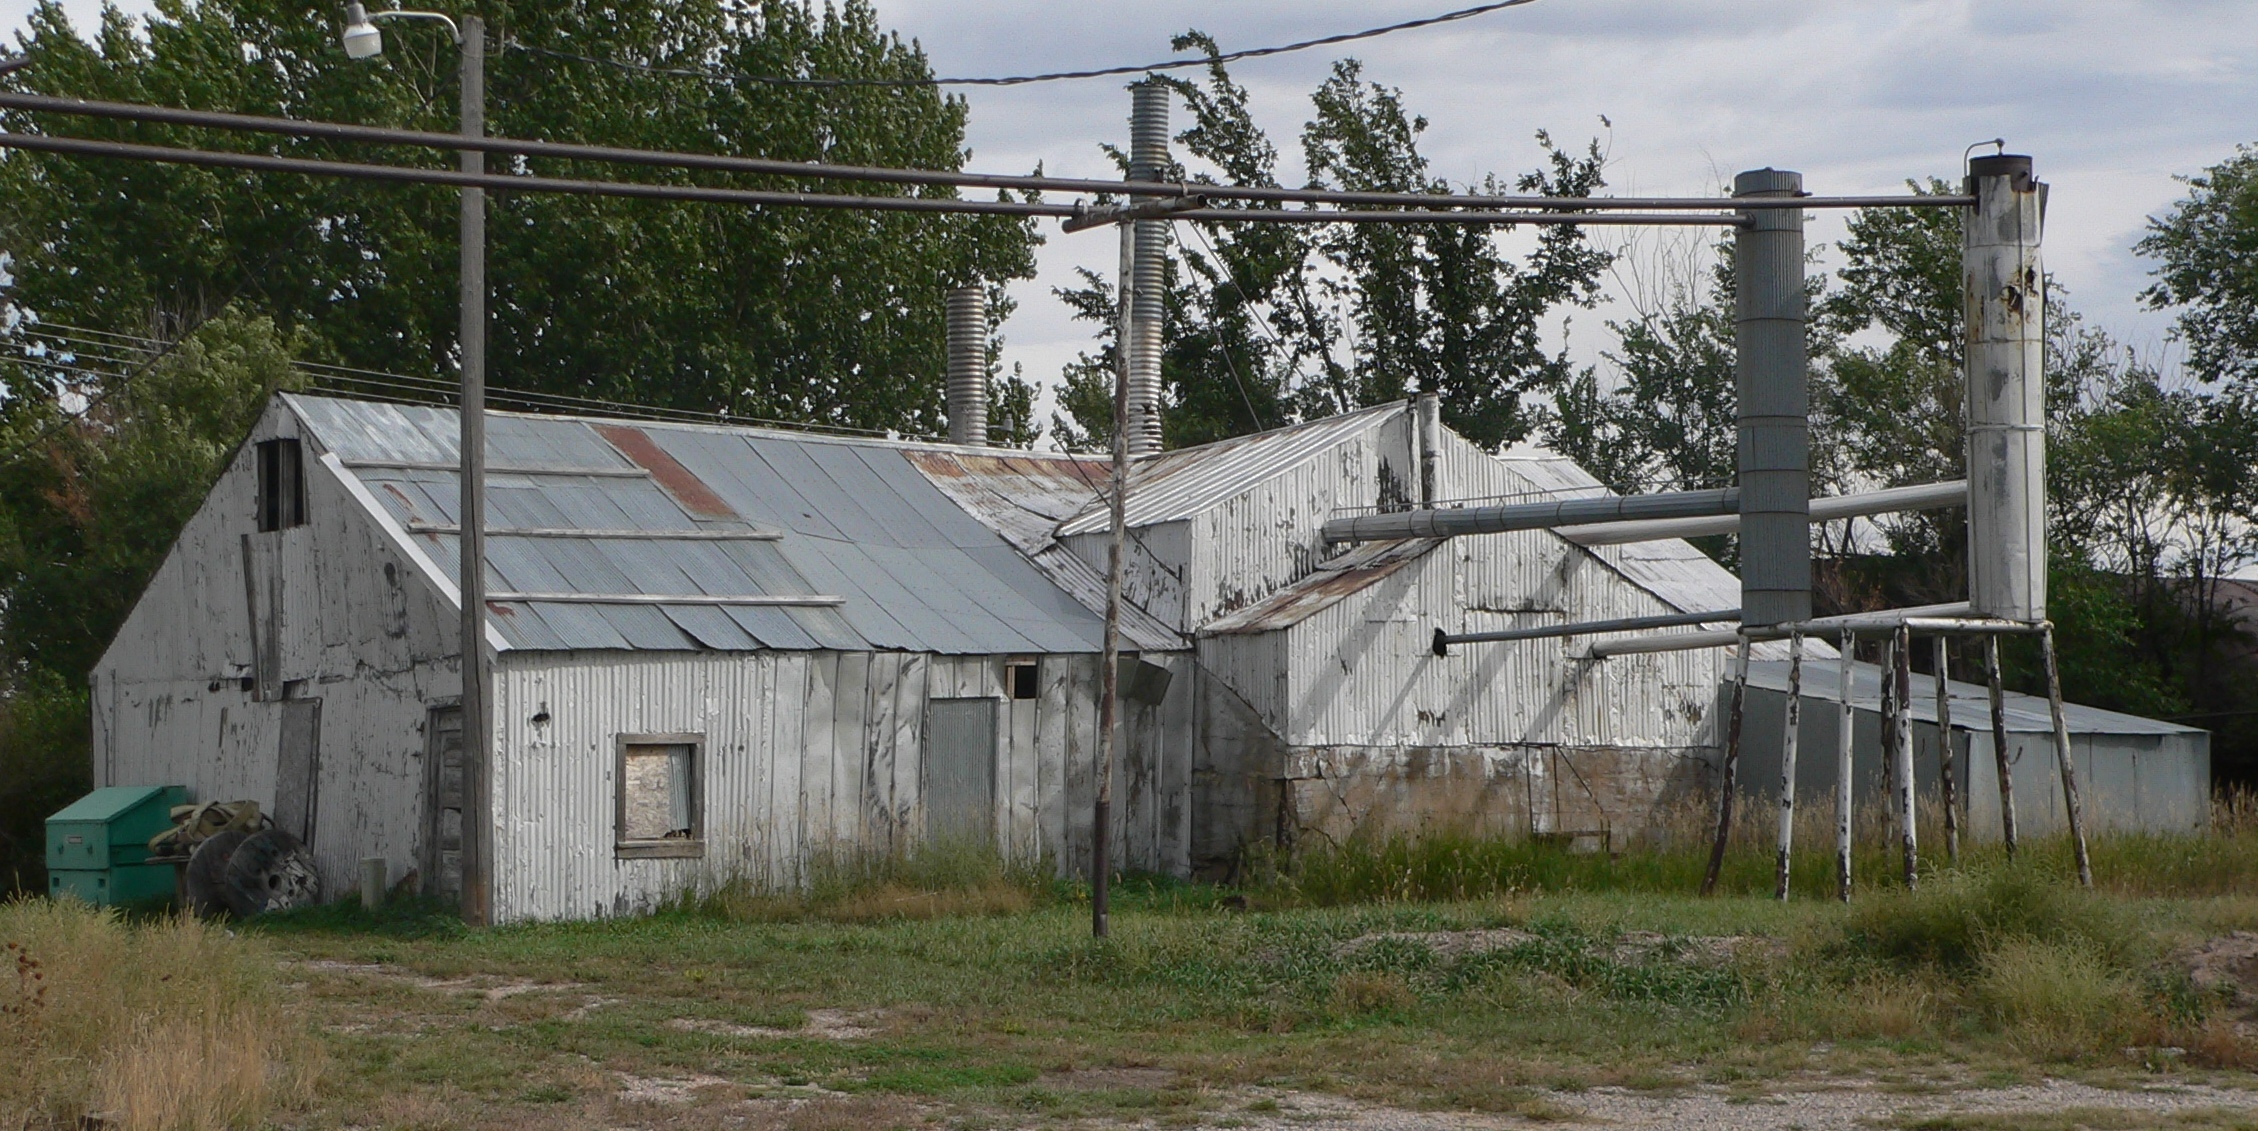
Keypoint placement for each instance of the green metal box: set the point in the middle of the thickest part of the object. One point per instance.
(126, 883)
(98, 846)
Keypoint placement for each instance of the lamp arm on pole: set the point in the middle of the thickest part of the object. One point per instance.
(404, 14)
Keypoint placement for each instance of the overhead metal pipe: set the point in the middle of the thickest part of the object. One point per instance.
(1450, 522)
(968, 364)
(1443, 640)
(1773, 444)
(1939, 615)
(1925, 496)
(523, 147)
(2003, 294)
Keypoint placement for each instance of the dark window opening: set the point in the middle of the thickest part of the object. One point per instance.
(282, 485)
(1020, 678)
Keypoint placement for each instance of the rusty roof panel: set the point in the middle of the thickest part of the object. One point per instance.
(916, 571)
(1335, 580)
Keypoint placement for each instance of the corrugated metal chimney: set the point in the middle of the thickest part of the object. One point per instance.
(1148, 161)
(1775, 404)
(968, 365)
(2003, 290)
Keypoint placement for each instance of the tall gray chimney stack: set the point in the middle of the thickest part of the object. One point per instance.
(2003, 289)
(968, 365)
(1775, 404)
(1148, 161)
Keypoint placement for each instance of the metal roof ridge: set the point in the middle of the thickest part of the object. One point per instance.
(1156, 464)
(813, 432)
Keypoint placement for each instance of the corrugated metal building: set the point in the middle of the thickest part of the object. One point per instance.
(661, 721)
(2133, 772)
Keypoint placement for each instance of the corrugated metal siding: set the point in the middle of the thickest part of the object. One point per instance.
(1358, 669)
(2134, 773)
(1270, 535)
(1183, 484)
(355, 629)
(806, 753)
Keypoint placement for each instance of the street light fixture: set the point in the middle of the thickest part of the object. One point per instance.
(362, 40)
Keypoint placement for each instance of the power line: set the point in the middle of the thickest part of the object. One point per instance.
(1022, 80)
(102, 348)
(816, 170)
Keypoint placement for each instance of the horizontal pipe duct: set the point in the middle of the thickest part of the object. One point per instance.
(1956, 611)
(1451, 522)
(1893, 500)
(1443, 640)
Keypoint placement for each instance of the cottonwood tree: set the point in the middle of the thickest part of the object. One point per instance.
(1273, 323)
(822, 316)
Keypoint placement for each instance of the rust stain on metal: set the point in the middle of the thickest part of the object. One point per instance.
(675, 479)
(1298, 602)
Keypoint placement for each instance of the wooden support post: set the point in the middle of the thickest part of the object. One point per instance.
(1727, 778)
(1945, 779)
(372, 882)
(1845, 797)
(1885, 720)
(1908, 813)
(1999, 746)
(1788, 741)
(2070, 798)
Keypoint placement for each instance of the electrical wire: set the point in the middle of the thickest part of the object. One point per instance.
(72, 344)
(1022, 80)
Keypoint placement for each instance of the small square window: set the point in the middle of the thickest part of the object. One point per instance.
(282, 485)
(1020, 680)
(659, 802)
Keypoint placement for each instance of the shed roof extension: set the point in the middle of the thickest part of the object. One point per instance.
(1971, 704)
(858, 520)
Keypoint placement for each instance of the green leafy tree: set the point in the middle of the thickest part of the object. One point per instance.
(95, 478)
(809, 315)
(1272, 323)
(2206, 250)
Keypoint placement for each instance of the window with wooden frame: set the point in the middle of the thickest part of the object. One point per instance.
(1021, 680)
(661, 811)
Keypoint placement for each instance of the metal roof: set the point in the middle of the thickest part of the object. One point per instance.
(1971, 703)
(1335, 580)
(916, 571)
(1173, 486)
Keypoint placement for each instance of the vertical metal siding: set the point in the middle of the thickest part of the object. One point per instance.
(805, 752)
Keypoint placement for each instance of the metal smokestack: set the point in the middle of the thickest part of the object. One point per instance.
(2003, 291)
(968, 365)
(1148, 161)
(1775, 404)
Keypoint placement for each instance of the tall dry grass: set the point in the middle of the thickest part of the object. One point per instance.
(929, 881)
(1671, 853)
(161, 1026)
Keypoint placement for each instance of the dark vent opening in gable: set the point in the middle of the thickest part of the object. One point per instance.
(1020, 678)
(282, 485)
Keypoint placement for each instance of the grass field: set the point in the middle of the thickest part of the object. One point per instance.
(1464, 976)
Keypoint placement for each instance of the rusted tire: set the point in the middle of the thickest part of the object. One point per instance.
(271, 871)
(206, 881)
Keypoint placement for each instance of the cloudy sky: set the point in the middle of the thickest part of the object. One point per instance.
(2112, 97)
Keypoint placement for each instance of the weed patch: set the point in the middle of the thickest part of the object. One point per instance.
(162, 1025)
